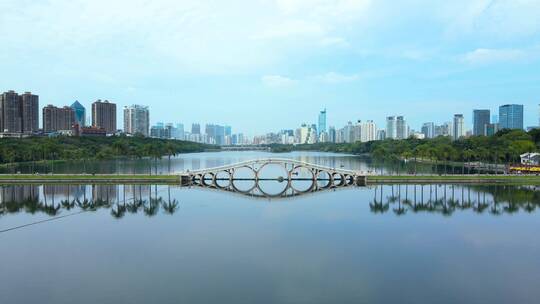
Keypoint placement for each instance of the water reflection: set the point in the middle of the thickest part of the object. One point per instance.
(448, 199)
(54, 200)
(151, 200)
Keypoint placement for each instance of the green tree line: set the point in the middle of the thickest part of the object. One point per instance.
(503, 147)
(86, 147)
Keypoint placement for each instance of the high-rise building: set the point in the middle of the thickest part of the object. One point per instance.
(381, 134)
(391, 127)
(29, 112)
(58, 119)
(428, 129)
(10, 110)
(305, 132)
(368, 131)
(196, 128)
(491, 129)
(180, 134)
(357, 131)
(136, 120)
(80, 113)
(160, 131)
(19, 113)
(322, 121)
(458, 127)
(402, 130)
(348, 133)
(480, 120)
(104, 116)
(511, 116)
(332, 134)
(215, 133)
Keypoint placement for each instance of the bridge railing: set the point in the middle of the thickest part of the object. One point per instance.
(272, 161)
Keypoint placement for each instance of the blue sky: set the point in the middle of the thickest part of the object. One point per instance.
(263, 65)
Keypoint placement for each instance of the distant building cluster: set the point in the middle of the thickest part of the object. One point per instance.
(19, 117)
(211, 134)
(509, 117)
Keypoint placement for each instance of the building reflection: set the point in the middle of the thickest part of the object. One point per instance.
(448, 199)
(55, 199)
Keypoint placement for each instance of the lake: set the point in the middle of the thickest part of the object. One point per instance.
(172, 244)
(213, 159)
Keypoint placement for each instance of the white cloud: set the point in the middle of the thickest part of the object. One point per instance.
(334, 42)
(497, 19)
(324, 8)
(275, 81)
(333, 78)
(489, 56)
(292, 28)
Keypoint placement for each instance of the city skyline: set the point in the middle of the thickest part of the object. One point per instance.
(468, 121)
(359, 59)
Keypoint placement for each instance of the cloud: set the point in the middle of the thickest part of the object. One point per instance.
(497, 19)
(334, 42)
(292, 28)
(491, 56)
(324, 8)
(275, 81)
(333, 78)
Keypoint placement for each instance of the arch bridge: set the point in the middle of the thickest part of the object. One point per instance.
(317, 177)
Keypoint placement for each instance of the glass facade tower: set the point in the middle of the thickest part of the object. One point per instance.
(511, 116)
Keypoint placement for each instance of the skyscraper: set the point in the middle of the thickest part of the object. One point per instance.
(104, 116)
(428, 129)
(322, 122)
(480, 120)
(10, 110)
(332, 134)
(458, 127)
(511, 116)
(391, 128)
(58, 119)
(402, 130)
(29, 112)
(136, 120)
(195, 128)
(80, 113)
(368, 131)
(19, 113)
(180, 131)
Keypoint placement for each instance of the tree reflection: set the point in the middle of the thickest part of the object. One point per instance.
(447, 199)
(15, 199)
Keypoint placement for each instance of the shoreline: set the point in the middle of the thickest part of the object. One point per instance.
(177, 179)
(454, 179)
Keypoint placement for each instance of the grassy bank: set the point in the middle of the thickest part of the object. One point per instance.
(455, 179)
(89, 178)
(175, 179)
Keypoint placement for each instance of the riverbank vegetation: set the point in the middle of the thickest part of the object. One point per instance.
(502, 148)
(35, 149)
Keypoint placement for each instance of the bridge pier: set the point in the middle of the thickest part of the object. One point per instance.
(361, 181)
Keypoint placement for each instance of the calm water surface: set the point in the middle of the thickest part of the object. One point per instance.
(166, 244)
(214, 159)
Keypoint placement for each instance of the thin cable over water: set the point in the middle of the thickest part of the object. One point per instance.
(57, 217)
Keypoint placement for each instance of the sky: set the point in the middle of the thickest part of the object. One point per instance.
(266, 65)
